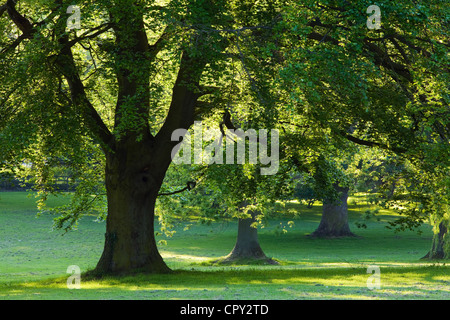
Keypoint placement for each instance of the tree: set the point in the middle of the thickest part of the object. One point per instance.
(236, 189)
(134, 73)
(244, 193)
(247, 245)
(332, 186)
(385, 88)
(249, 197)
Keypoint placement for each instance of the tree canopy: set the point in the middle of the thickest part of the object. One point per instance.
(106, 97)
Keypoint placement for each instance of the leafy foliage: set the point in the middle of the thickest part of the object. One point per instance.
(311, 69)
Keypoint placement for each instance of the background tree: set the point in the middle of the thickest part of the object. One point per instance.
(385, 88)
(332, 187)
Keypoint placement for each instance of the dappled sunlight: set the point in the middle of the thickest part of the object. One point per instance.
(308, 269)
(183, 257)
(331, 294)
(322, 282)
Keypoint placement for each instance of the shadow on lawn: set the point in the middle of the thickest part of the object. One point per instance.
(416, 282)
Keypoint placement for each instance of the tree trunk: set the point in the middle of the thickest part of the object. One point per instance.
(334, 222)
(440, 248)
(133, 180)
(247, 245)
(135, 170)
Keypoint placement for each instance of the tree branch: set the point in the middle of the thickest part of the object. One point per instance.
(20, 21)
(189, 186)
(203, 107)
(370, 143)
(66, 66)
(97, 127)
(185, 94)
(359, 141)
(155, 48)
(410, 45)
(14, 44)
(23, 24)
(383, 59)
(322, 38)
(64, 61)
(99, 30)
(2, 9)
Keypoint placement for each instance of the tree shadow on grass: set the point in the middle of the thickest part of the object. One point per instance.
(251, 282)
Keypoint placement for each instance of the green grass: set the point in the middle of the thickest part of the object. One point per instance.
(34, 260)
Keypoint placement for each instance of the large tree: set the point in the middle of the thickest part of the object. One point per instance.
(107, 96)
(385, 87)
(132, 74)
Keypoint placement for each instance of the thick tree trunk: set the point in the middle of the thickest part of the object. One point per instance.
(135, 170)
(440, 248)
(334, 222)
(133, 179)
(247, 244)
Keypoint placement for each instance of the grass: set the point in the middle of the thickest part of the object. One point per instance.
(34, 260)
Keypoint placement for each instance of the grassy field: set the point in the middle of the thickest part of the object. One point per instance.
(34, 260)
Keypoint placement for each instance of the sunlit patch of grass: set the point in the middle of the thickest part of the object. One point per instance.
(184, 257)
(34, 260)
(253, 283)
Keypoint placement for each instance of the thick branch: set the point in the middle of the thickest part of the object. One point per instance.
(202, 108)
(322, 38)
(410, 45)
(2, 9)
(189, 186)
(96, 126)
(205, 90)
(14, 44)
(155, 48)
(228, 123)
(367, 143)
(383, 59)
(20, 21)
(88, 35)
(23, 24)
(65, 64)
(359, 141)
(184, 97)
(317, 22)
(132, 68)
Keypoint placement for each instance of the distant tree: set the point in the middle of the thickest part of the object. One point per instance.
(332, 187)
(383, 88)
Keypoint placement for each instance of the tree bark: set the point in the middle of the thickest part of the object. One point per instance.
(247, 245)
(133, 178)
(440, 248)
(334, 222)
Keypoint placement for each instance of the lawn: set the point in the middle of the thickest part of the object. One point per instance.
(34, 260)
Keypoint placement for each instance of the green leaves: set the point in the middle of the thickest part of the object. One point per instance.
(312, 69)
